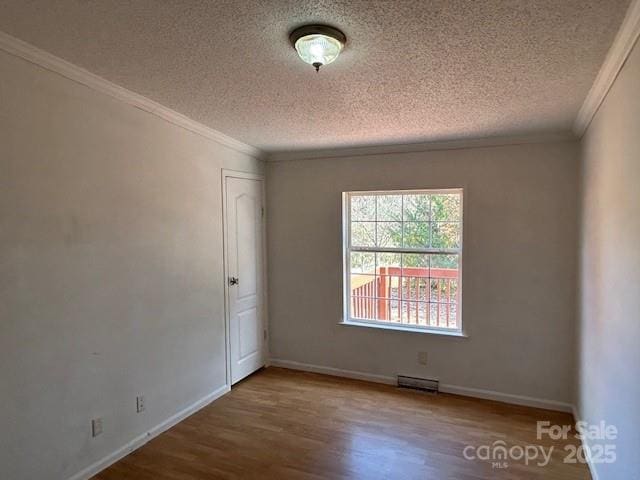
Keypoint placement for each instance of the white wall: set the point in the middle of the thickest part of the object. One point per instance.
(519, 281)
(110, 270)
(609, 339)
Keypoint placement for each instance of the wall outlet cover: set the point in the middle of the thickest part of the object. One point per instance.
(422, 358)
(140, 404)
(96, 427)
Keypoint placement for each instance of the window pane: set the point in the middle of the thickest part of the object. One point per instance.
(445, 235)
(415, 264)
(388, 267)
(389, 208)
(415, 313)
(362, 262)
(416, 235)
(415, 288)
(363, 234)
(388, 287)
(434, 287)
(364, 285)
(390, 262)
(444, 261)
(434, 315)
(453, 316)
(445, 207)
(416, 208)
(415, 276)
(443, 315)
(389, 234)
(443, 290)
(453, 286)
(365, 308)
(363, 207)
(387, 310)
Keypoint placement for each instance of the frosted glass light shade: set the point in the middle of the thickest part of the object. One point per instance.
(318, 49)
(318, 45)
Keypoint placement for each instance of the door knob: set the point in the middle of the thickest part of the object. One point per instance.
(233, 281)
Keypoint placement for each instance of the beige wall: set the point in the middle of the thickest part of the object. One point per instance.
(609, 339)
(110, 271)
(519, 279)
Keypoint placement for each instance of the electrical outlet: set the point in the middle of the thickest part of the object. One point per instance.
(140, 404)
(96, 427)
(422, 358)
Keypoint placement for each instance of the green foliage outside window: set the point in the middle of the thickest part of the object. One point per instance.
(408, 221)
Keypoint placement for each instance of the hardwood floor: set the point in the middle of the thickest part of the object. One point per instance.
(283, 424)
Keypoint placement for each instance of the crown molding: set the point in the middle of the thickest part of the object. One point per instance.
(28, 52)
(620, 49)
(419, 147)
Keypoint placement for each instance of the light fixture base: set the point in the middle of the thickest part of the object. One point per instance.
(305, 30)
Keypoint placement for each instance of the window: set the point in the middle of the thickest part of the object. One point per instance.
(403, 259)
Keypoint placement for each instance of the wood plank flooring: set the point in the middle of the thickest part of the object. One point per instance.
(283, 424)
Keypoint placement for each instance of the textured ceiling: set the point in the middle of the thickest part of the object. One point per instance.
(413, 71)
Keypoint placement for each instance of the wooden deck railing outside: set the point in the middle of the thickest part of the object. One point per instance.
(418, 296)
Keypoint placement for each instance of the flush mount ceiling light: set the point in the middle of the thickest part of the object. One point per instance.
(318, 45)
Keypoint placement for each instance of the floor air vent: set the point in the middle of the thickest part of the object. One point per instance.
(424, 384)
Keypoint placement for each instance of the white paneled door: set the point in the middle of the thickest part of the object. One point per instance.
(245, 288)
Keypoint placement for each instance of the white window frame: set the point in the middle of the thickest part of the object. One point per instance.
(347, 249)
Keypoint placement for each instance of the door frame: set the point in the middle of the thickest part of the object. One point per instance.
(229, 173)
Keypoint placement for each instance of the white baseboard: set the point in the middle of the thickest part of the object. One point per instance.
(140, 440)
(507, 397)
(445, 388)
(336, 372)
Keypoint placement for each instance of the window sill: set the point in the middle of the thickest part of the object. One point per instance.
(403, 328)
